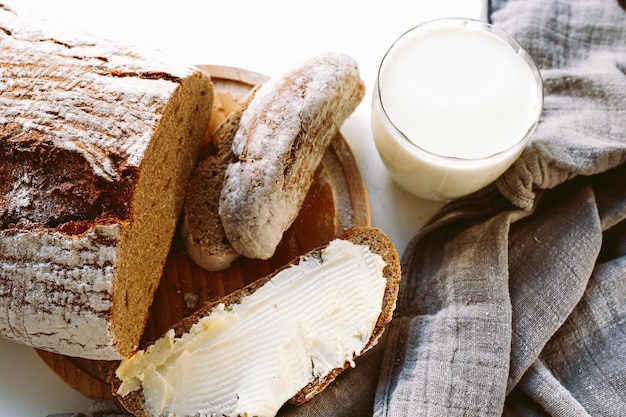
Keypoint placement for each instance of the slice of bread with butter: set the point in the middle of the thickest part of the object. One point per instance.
(283, 338)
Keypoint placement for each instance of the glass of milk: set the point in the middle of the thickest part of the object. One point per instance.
(454, 104)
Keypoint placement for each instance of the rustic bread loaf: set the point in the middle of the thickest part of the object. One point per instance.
(201, 227)
(97, 143)
(282, 137)
(155, 354)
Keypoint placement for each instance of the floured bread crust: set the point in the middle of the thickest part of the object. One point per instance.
(52, 284)
(282, 137)
(97, 142)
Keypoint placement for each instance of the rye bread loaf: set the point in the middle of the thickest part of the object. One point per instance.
(201, 226)
(97, 143)
(377, 242)
(282, 136)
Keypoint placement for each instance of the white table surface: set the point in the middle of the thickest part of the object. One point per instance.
(263, 36)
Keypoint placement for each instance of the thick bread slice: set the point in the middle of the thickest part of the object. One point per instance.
(97, 143)
(282, 137)
(373, 238)
(201, 227)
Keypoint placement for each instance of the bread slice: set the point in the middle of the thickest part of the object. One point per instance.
(97, 143)
(193, 379)
(201, 227)
(282, 137)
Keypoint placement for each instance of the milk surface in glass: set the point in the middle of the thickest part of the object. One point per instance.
(455, 103)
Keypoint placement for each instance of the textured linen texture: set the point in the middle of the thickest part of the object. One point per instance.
(513, 300)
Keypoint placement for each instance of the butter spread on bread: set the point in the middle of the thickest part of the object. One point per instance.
(98, 140)
(284, 337)
(282, 136)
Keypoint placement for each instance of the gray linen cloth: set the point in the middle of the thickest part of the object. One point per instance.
(513, 300)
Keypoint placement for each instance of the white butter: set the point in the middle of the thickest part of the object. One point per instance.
(254, 356)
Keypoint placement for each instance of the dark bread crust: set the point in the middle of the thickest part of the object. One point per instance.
(375, 239)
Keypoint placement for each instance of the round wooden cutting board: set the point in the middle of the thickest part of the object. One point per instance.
(336, 201)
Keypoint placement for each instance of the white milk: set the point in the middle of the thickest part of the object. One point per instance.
(453, 107)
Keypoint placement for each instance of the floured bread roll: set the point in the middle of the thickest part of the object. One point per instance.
(282, 338)
(282, 136)
(97, 143)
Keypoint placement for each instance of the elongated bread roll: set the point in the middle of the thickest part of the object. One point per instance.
(282, 338)
(282, 137)
(97, 143)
